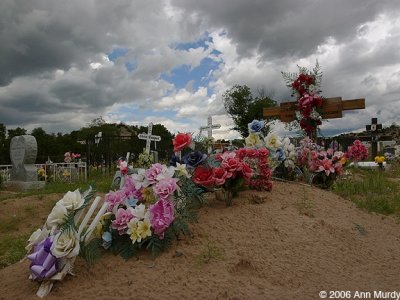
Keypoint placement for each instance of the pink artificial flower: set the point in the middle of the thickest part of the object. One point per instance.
(114, 199)
(152, 173)
(130, 189)
(123, 167)
(161, 216)
(220, 175)
(326, 165)
(231, 164)
(165, 188)
(122, 218)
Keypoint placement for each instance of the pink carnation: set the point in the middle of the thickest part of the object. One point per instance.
(114, 199)
(152, 173)
(165, 188)
(122, 219)
(161, 216)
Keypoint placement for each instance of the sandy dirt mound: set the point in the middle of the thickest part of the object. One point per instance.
(290, 243)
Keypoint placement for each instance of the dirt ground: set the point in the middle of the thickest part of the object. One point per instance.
(290, 243)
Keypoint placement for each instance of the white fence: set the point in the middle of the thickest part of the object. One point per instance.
(64, 172)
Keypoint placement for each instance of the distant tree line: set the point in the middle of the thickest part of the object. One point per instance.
(116, 141)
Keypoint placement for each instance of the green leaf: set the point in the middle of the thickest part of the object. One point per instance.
(92, 251)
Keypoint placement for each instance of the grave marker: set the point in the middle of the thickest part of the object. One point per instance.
(331, 108)
(209, 128)
(23, 151)
(374, 129)
(149, 138)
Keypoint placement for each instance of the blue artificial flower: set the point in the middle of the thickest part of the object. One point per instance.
(131, 202)
(194, 158)
(107, 239)
(255, 126)
(280, 154)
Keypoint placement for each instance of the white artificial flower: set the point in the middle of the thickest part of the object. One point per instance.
(272, 141)
(36, 237)
(139, 212)
(65, 244)
(181, 169)
(72, 200)
(57, 215)
(140, 179)
(167, 172)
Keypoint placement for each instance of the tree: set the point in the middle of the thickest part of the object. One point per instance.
(243, 108)
(15, 132)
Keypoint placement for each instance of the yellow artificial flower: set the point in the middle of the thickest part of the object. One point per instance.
(343, 160)
(148, 195)
(379, 159)
(100, 225)
(143, 228)
(253, 140)
(272, 141)
(132, 231)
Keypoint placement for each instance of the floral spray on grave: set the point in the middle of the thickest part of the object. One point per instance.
(306, 88)
(66, 234)
(150, 208)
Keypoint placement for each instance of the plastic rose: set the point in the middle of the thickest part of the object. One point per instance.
(255, 126)
(220, 175)
(36, 237)
(272, 141)
(194, 158)
(181, 141)
(165, 188)
(72, 200)
(253, 140)
(122, 219)
(65, 244)
(161, 216)
(203, 176)
(57, 215)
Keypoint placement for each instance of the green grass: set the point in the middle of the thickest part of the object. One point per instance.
(12, 249)
(102, 185)
(373, 190)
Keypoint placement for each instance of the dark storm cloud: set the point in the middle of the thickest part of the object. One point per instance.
(286, 28)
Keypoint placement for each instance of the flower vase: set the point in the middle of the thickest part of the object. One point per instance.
(222, 194)
(355, 164)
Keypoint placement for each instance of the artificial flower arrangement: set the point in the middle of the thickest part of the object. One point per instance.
(229, 172)
(318, 166)
(150, 208)
(70, 157)
(305, 87)
(357, 151)
(53, 248)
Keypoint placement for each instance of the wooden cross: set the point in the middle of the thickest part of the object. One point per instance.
(375, 137)
(210, 126)
(149, 137)
(331, 108)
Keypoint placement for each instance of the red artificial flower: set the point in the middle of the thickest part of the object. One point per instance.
(181, 141)
(317, 101)
(203, 176)
(246, 170)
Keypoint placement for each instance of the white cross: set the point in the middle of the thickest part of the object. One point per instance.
(209, 127)
(149, 137)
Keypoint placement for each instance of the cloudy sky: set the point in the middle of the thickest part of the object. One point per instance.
(64, 63)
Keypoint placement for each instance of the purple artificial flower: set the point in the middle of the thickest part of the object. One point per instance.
(130, 191)
(194, 158)
(115, 198)
(43, 263)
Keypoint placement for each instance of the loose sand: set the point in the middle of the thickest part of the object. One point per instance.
(290, 243)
